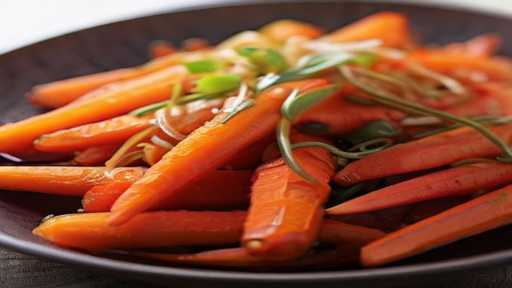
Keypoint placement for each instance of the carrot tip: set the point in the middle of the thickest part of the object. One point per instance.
(254, 244)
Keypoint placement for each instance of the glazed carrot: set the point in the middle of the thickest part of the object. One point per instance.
(392, 28)
(342, 116)
(481, 214)
(95, 155)
(430, 152)
(91, 231)
(106, 104)
(111, 131)
(153, 153)
(223, 189)
(483, 45)
(205, 150)
(447, 62)
(286, 210)
(62, 180)
(240, 258)
(281, 30)
(161, 48)
(459, 181)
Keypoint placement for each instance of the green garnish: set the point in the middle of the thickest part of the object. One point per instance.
(214, 84)
(266, 60)
(344, 154)
(149, 108)
(391, 100)
(373, 130)
(202, 66)
(245, 104)
(296, 104)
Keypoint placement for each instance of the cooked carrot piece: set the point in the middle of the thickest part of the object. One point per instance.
(161, 48)
(112, 131)
(430, 152)
(392, 28)
(91, 231)
(153, 153)
(286, 210)
(483, 45)
(62, 180)
(95, 155)
(223, 189)
(280, 31)
(476, 216)
(107, 103)
(240, 258)
(342, 116)
(205, 150)
(446, 62)
(457, 181)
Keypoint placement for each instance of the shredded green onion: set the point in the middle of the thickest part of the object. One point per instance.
(214, 84)
(245, 104)
(296, 104)
(202, 66)
(267, 60)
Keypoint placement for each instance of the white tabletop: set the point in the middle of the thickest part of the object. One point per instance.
(26, 21)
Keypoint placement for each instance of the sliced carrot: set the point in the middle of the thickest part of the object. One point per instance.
(392, 28)
(481, 214)
(430, 152)
(205, 150)
(111, 131)
(281, 30)
(161, 48)
(240, 258)
(153, 153)
(223, 189)
(342, 116)
(91, 231)
(286, 210)
(447, 62)
(107, 103)
(458, 181)
(95, 155)
(62, 180)
(483, 45)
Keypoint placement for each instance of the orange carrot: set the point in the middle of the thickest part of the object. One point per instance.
(286, 210)
(342, 116)
(170, 228)
(392, 28)
(281, 30)
(112, 131)
(205, 150)
(223, 189)
(105, 104)
(447, 62)
(153, 153)
(483, 45)
(430, 152)
(457, 181)
(95, 155)
(481, 214)
(240, 258)
(62, 180)
(91, 231)
(161, 48)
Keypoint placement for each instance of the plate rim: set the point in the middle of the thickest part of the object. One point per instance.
(55, 253)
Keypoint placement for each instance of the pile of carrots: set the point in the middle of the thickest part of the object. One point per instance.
(281, 148)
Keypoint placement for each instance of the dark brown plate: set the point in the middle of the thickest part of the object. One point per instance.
(124, 44)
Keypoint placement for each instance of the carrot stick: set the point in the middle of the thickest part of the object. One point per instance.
(111, 131)
(286, 210)
(281, 30)
(62, 180)
(91, 231)
(481, 214)
(458, 181)
(205, 150)
(240, 258)
(95, 155)
(223, 189)
(447, 62)
(342, 116)
(59, 93)
(105, 104)
(430, 152)
(168, 228)
(392, 28)
(153, 153)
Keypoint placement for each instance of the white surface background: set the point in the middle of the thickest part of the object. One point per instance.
(26, 21)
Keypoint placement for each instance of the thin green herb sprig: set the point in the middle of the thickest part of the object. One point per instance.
(389, 99)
